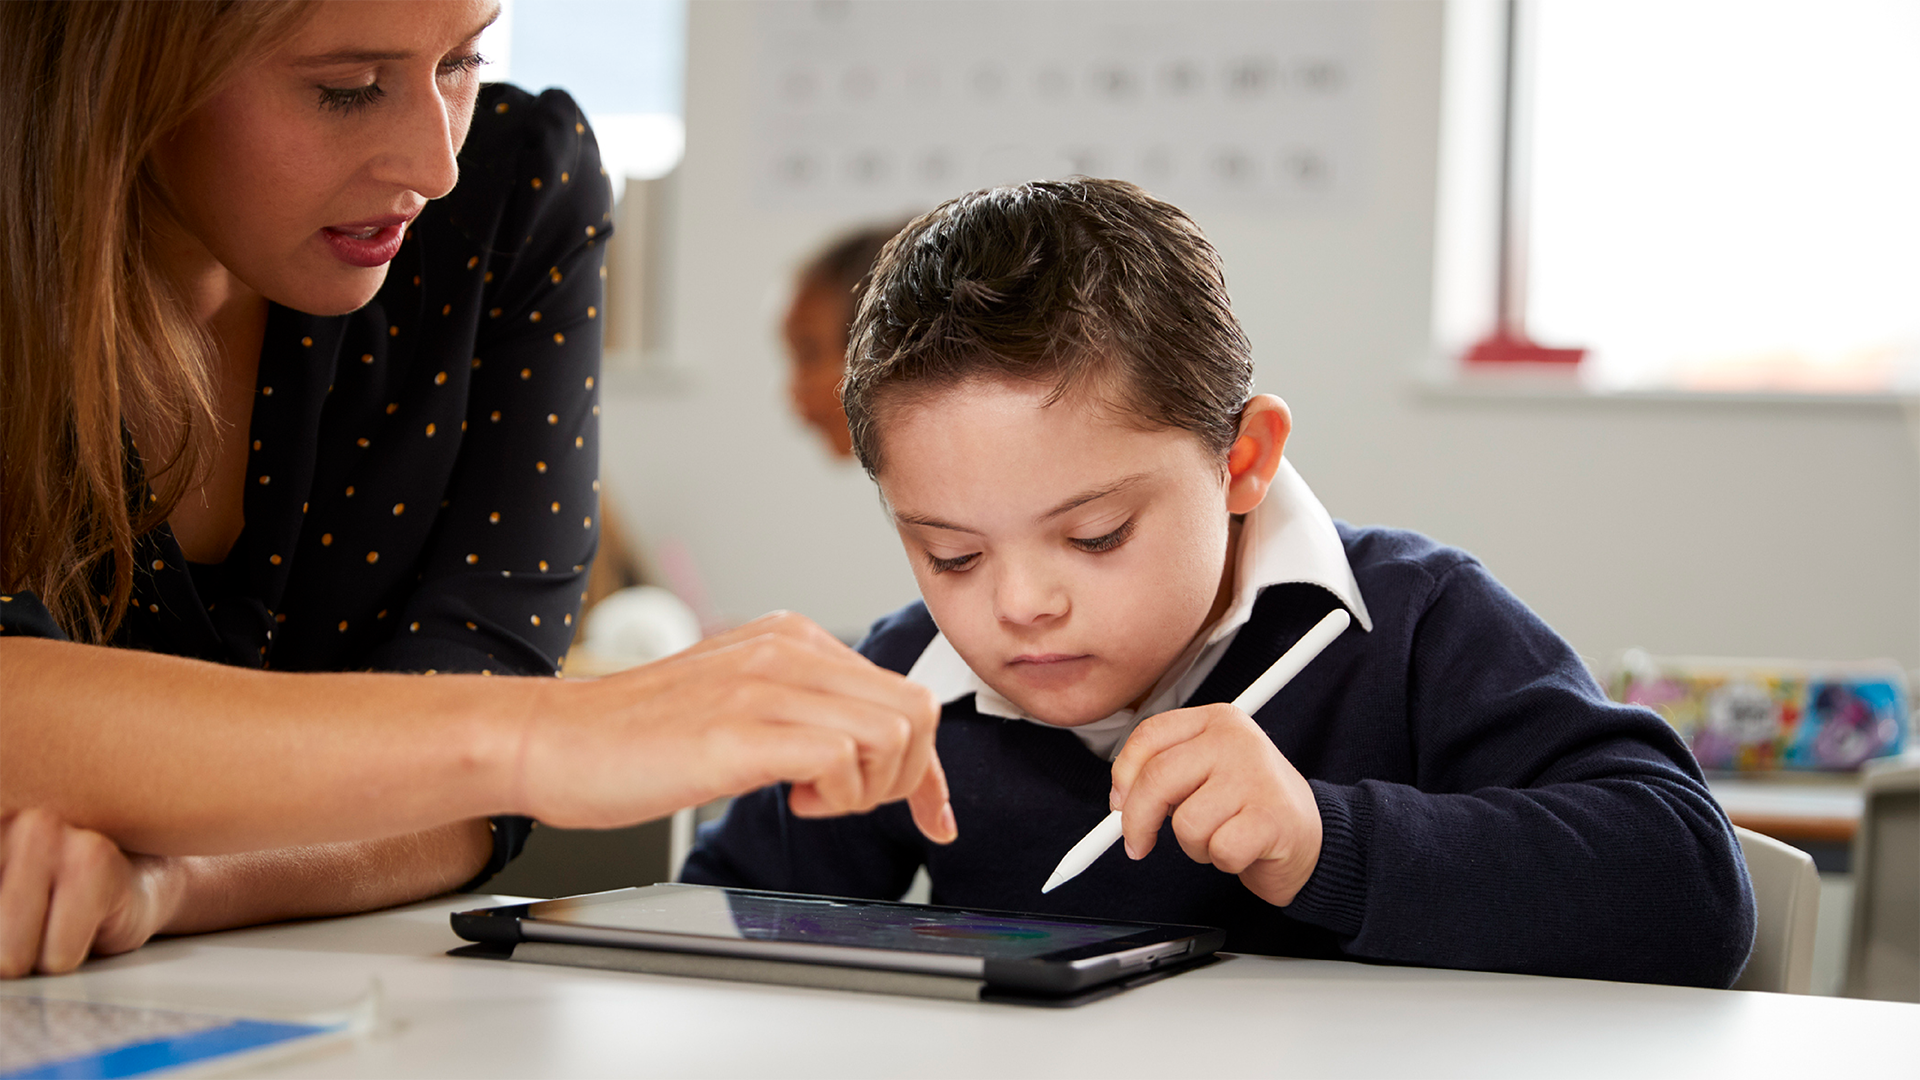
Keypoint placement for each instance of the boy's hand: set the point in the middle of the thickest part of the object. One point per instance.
(1237, 802)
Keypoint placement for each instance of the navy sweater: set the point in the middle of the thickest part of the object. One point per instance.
(1483, 804)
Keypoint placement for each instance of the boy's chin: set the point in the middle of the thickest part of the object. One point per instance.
(1067, 711)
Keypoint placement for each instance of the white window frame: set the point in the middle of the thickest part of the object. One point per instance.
(1481, 242)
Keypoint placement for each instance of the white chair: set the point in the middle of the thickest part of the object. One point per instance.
(1883, 955)
(1786, 892)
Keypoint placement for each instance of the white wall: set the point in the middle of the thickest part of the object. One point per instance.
(720, 464)
(1719, 527)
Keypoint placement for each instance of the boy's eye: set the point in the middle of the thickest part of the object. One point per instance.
(1105, 543)
(954, 565)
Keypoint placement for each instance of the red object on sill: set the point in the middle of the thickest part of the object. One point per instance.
(1506, 349)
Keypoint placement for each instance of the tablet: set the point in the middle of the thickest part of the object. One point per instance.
(1042, 954)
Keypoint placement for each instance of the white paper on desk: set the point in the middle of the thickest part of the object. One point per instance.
(59, 1029)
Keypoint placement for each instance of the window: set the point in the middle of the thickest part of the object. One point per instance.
(624, 61)
(1706, 195)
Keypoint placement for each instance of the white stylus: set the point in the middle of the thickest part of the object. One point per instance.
(1250, 700)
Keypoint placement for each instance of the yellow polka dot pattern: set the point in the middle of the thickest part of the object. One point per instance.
(399, 511)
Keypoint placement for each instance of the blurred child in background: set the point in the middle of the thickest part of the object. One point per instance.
(815, 329)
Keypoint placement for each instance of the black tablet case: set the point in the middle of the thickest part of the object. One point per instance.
(787, 973)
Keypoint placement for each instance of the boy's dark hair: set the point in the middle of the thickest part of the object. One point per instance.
(844, 264)
(1078, 283)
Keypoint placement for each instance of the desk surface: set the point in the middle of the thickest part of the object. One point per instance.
(1250, 1016)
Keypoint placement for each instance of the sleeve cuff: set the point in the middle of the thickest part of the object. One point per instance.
(1335, 897)
(23, 615)
(510, 834)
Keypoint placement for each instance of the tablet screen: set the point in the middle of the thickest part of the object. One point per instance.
(725, 913)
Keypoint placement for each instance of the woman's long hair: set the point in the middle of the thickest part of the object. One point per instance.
(94, 341)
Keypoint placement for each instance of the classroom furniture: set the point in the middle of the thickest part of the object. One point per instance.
(1249, 1016)
(1816, 813)
(1786, 890)
(1883, 954)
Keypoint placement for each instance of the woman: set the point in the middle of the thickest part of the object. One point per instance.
(300, 391)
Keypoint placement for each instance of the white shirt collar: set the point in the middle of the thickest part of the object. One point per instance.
(1289, 538)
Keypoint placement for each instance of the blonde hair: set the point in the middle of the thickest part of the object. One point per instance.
(94, 341)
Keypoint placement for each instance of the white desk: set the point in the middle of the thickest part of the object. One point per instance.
(1250, 1016)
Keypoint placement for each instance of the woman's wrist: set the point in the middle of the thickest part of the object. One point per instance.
(498, 736)
(161, 891)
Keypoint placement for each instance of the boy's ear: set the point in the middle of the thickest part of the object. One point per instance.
(1265, 424)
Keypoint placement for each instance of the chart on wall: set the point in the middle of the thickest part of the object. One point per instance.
(877, 105)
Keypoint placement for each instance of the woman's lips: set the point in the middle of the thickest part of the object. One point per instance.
(367, 243)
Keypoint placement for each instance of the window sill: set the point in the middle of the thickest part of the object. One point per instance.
(1454, 384)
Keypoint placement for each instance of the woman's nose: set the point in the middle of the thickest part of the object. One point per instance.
(422, 154)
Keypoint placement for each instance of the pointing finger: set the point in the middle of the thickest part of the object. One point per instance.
(931, 808)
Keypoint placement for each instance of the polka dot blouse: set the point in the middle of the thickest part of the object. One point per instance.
(421, 483)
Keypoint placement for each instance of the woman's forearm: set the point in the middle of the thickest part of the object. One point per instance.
(216, 892)
(181, 757)
(167, 756)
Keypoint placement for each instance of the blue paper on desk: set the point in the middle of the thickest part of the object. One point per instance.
(52, 1037)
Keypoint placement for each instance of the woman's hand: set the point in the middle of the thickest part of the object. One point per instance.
(1237, 802)
(66, 892)
(775, 700)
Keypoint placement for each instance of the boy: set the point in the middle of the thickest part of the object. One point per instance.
(1049, 386)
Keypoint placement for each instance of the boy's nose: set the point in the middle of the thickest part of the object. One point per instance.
(1024, 598)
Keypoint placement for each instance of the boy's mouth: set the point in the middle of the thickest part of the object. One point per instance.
(1047, 658)
(1049, 672)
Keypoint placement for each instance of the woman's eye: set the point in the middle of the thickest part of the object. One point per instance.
(945, 566)
(347, 99)
(1105, 543)
(460, 65)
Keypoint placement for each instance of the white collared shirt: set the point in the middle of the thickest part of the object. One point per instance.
(1288, 538)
